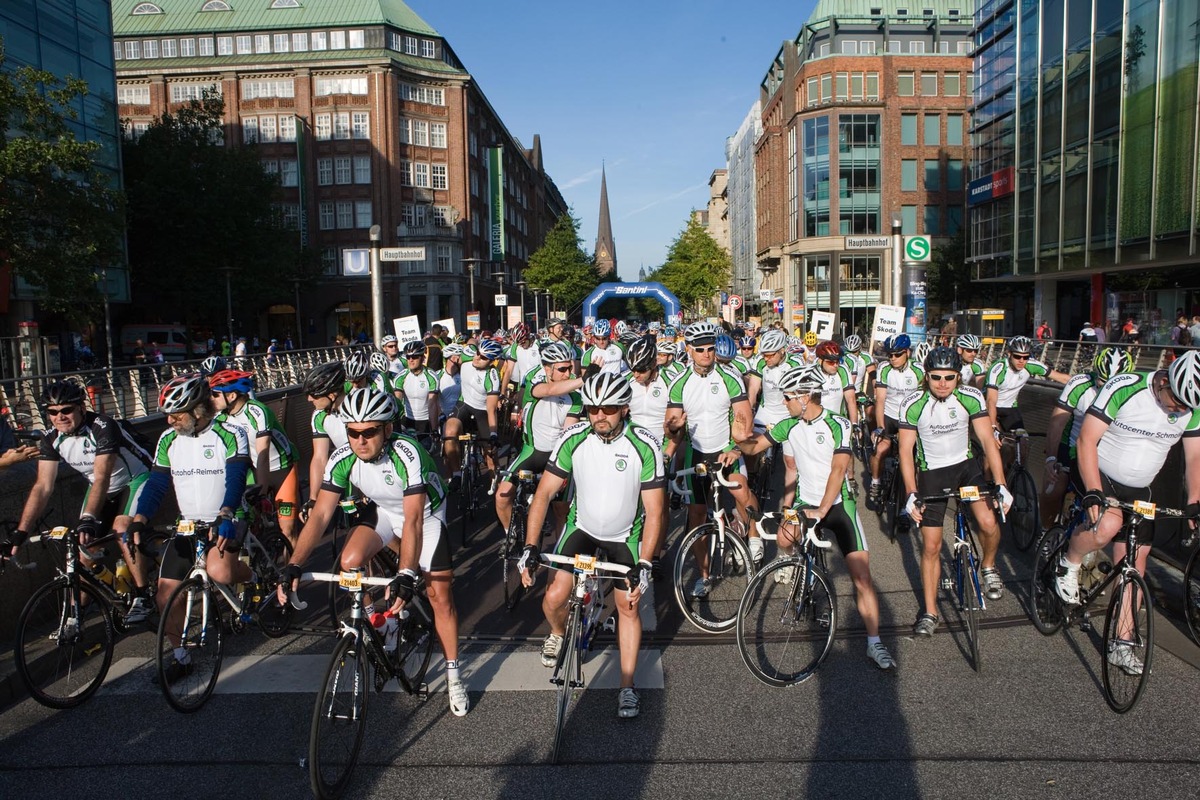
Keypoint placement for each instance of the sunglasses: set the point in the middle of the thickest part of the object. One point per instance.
(941, 378)
(567, 368)
(708, 349)
(607, 410)
(832, 360)
(1016, 357)
(61, 411)
(414, 358)
(367, 433)
(898, 354)
(968, 350)
(393, 344)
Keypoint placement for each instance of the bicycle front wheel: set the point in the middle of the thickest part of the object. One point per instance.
(191, 622)
(1023, 518)
(510, 550)
(887, 505)
(467, 501)
(712, 571)
(786, 622)
(1128, 642)
(1045, 609)
(339, 720)
(273, 619)
(966, 585)
(568, 665)
(64, 644)
(1191, 595)
(415, 646)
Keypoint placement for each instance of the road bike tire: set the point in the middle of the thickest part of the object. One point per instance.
(201, 634)
(1191, 595)
(886, 505)
(63, 675)
(1122, 690)
(787, 622)
(567, 667)
(469, 491)
(415, 646)
(510, 550)
(339, 719)
(717, 611)
(966, 586)
(1023, 517)
(273, 619)
(1045, 608)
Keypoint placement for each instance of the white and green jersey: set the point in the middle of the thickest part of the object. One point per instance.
(1008, 382)
(98, 435)
(1077, 397)
(379, 381)
(833, 390)
(328, 425)
(970, 372)
(1140, 433)
(814, 444)
(416, 388)
(943, 426)
(740, 364)
(197, 466)
(856, 364)
(477, 384)
(450, 389)
(525, 360)
(608, 479)
(771, 407)
(259, 421)
(899, 385)
(543, 418)
(708, 400)
(403, 468)
(648, 407)
(671, 371)
(609, 359)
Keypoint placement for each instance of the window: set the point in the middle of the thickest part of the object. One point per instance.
(475, 185)
(443, 257)
(362, 213)
(964, 48)
(952, 84)
(954, 175)
(826, 88)
(944, 48)
(410, 45)
(224, 45)
(841, 84)
(473, 144)
(133, 50)
(908, 175)
(183, 92)
(916, 47)
(262, 43)
(814, 92)
(329, 260)
(266, 129)
(362, 169)
(299, 42)
(441, 216)
(412, 216)
(271, 167)
(133, 95)
(135, 129)
(866, 48)
(856, 86)
(954, 130)
(169, 48)
(345, 214)
(324, 128)
(118, 51)
(440, 179)
(275, 87)
(243, 45)
(342, 85)
(146, 8)
(357, 40)
(360, 124)
(285, 3)
(282, 43)
(901, 12)
(933, 176)
(289, 173)
(287, 128)
(406, 173)
(928, 12)
(893, 46)
(325, 216)
(319, 40)
(187, 47)
(423, 94)
(904, 84)
(908, 129)
(421, 175)
(872, 85)
(428, 48)
(933, 130)
(420, 132)
(324, 172)
(341, 125)
(337, 40)
(341, 170)
(933, 220)
(823, 50)
(437, 135)
(216, 5)
(849, 48)
(929, 81)
(249, 130)
(908, 220)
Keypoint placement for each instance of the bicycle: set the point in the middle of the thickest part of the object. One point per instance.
(67, 630)
(585, 606)
(1129, 620)
(860, 432)
(963, 579)
(787, 619)
(1191, 593)
(200, 634)
(764, 477)
(361, 657)
(1024, 520)
(714, 554)
(384, 564)
(472, 479)
(890, 506)
(524, 486)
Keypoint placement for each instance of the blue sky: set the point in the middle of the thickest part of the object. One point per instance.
(650, 88)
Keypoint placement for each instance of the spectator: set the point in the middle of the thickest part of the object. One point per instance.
(240, 350)
(287, 343)
(1195, 328)
(1181, 335)
(1130, 333)
(272, 349)
(139, 352)
(1044, 332)
(226, 347)
(1087, 333)
(11, 452)
(254, 345)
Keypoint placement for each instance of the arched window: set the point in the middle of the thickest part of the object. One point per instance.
(217, 5)
(285, 3)
(146, 8)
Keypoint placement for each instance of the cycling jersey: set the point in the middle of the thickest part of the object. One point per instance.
(98, 435)
(970, 372)
(943, 426)
(608, 479)
(833, 397)
(771, 406)
(416, 388)
(740, 364)
(670, 371)
(1140, 433)
(379, 381)
(609, 359)
(648, 407)
(403, 468)
(197, 466)
(328, 425)
(814, 443)
(526, 361)
(1008, 381)
(542, 418)
(898, 384)
(1076, 397)
(708, 403)
(258, 421)
(450, 388)
(856, 364)
(477, 384)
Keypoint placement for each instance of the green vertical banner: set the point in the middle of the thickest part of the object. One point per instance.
(496, 196)
(301, 172)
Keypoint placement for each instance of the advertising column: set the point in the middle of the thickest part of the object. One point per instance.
(917, 252)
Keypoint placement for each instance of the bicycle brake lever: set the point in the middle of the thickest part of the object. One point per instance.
(295, 602)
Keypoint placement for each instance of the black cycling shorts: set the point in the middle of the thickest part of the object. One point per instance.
(576, 541)
(934, 481)
(842, 521)
(473, 420)
(1129, 494)
(1009, 419)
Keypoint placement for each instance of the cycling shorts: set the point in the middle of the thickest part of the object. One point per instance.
(122, 503)
(1009, 419)
(473, 420)
(843, 522)
(891, 427)
(699, 485)
(417, 426)
(435, 545)
(575, 541)
(936, 481)
(1129, 494)
(288, 493)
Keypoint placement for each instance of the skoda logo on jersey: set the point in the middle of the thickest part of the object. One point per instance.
(714, 389)
(387, 478)
(657, 392)
(210, 452)
(1172, 418)
(954, 413)
(621, 464)
(820, 438)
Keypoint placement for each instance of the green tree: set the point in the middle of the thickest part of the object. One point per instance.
(696, 267)
(562, 265)
(198, 208)
(60, 215)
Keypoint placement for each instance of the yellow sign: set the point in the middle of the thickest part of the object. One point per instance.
(58, 533)
(969, 493)
(187, 527)
(1144, 508)
(585, 564)
(350, 580)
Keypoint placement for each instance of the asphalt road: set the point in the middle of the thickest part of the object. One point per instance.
(1032, 722)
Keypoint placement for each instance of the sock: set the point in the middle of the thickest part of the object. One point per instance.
(874, 481)
(872, 640)
(452, 670)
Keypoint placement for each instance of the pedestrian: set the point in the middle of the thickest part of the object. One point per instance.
(1087, 333)
(287, 343)
(240, 350)
(272, 349)
(226, 347)
(1181, 335)
(139, 352)
(1044, 332)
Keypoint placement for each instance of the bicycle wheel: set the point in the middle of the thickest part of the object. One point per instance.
(966, 587)
(1045, 609)
(1191, 595)
(786, 622)
(415, 645)
(568, 664)
(711, 605)
(467, 500)
(1023, 516)
(273, 619)
(191, 620)
(339, 719)
(64, 644)
(886, 507)
(510, 550)
(1128, 630)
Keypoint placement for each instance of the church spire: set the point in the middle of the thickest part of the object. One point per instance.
(606, 248)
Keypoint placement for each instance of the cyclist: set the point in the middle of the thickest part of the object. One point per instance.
(616, 468)
(360, 373)
(450, 379)
(418, 388)
(936, 453)
(325, 387)
(558, 330)
(1129, 429)
(550, 403)
(762, 384)
(603, 355)
(520, 359)
(400, 477)
(708, 406)
(1072, 405)
(668, 367)
(747, 345)
(821, 439)
(968, 347)
(837, 391)
(727, 355)
(1007, 376)
(390, 347)
(116, 468)
(480, 383)
(275, 467)
(648, 408)
(857, 363)
(212, 365)
(207, 461)
(895, 382)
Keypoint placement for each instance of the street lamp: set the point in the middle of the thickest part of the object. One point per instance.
(229, 301)
(471, 262)
(376, 285)
(897, 227)
(522, 285)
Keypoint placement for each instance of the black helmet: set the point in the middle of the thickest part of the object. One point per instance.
(414, 348)
(943, 358)
(63, 393)
(642, 354)
(325, 379)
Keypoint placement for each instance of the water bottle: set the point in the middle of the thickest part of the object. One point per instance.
(388, 626)
(103, 573)
(124, 578)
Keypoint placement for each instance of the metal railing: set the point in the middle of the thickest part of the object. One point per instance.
(1073, 357)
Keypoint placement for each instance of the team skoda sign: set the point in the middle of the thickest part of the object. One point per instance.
(868, 242)
(655, 291)
(917, 248)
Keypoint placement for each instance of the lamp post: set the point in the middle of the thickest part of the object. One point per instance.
(522, 285)
(299, 324)
(499, 275)
(108, 353)
(376, 285)
(897, 227)
(471, 262)
(229, 302)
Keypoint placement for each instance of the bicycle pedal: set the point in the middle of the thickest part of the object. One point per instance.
(422, 692)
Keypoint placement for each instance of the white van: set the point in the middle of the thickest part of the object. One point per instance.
(172, 340)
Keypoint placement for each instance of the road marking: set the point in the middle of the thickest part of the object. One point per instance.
(519, 671)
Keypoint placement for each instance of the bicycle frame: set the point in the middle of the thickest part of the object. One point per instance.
(1136, 514)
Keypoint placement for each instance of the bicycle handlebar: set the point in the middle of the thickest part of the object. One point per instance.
(791, 515)
(704, 470)
(330, 577)
(551, 559)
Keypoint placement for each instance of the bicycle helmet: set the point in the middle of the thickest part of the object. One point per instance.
(380, 362)
(642, 355)
(63, 393)
(232, 380)
(519, 332)
(183, 393)
(920, 352)
(853, 343)
(621, 328)
(1111, 361)
(368, 405)
(490, 349)
(606, 389)
(829, 351)
(452, 350)
(212, 365)
(747, 343)
(969, 341)
(802, 380)
(325, 379)
(389, 339)
(1184, 377)
(358, 365)
(460, 338)
(601, 329)
(772, 341)
(414, 349)
(942, 358)
(469, 351)
(666, 347)
(700, 333)
(628, 337)
(810, 339)
(1019, 344)
(557, 353)
(726, 347)
(795, 344)
(898, 343)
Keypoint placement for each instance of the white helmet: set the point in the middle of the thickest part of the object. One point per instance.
(772, 341)
(853, 343)
(380, 362)
(800, 380)
(183, 393)
(1184, 376)
(699, 331)
(606, 389)
(969, 341)
(368, 405)
(556, 353)
(491, 349)
(666, 347)
(452, 350)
